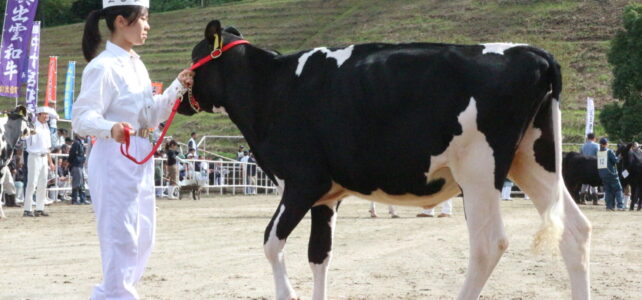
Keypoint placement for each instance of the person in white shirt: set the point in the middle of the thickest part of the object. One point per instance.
(116, 93)
(191, 144)
(446, 210)
(38, 164)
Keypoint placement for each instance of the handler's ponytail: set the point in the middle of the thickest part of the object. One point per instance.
(91, 37)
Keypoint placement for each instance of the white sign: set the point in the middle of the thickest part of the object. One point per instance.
(590, 116)
(602, 159)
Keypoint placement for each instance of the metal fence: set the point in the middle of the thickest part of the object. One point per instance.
(211, 176)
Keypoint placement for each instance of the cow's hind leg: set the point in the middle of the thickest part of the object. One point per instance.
(533, 170)
(320, 246)
(296, 202)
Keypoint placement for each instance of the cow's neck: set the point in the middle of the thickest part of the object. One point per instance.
(249, 93)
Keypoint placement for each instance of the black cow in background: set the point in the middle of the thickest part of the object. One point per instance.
(14, 125)
(630, 166)
(579, 169)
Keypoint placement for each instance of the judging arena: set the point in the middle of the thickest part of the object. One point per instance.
(212, 249)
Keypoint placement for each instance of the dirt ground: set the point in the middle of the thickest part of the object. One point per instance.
(212, 249)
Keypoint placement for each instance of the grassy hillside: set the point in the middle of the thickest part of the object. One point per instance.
(576, 32)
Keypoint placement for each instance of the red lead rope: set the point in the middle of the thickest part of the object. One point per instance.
(128, 130)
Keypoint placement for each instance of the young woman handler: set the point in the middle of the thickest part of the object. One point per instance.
(116, 93)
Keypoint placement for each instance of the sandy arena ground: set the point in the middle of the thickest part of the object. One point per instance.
(212, 249)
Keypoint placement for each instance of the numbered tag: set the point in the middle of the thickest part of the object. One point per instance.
(625, 174)
(602, 158)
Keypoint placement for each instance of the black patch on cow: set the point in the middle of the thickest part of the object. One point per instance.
(544, 146)
(320, 243)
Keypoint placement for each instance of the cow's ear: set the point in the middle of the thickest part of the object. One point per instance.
(212, 31)
(21, 110)
(233, 30)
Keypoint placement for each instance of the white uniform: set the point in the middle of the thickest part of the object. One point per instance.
(116, 88)
(38, 146)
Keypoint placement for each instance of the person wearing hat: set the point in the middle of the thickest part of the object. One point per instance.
(606, 166)
(116, 95)
(38, 164)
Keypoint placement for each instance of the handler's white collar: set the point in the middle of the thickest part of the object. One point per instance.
(120, 52)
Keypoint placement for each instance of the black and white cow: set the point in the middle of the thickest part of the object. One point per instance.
(404, 124)
(14, 125)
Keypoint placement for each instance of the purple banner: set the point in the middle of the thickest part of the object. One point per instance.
(32, 69)
(18, 20)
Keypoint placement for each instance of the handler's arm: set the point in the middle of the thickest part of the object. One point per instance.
(163, 104)
(96, 93)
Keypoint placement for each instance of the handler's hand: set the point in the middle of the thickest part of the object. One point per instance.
(186, 78)
(52, 167)
(118, 131)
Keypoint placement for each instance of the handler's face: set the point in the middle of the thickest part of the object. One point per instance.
(43, 117)
(136, 32)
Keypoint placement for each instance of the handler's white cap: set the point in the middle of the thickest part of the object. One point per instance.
(110, 3)
(42, 110)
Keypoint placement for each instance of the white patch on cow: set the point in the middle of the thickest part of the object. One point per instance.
(499, 48)
(320, 275)
(340, 56)
(320, 271)
(472, 142)
(274, 253)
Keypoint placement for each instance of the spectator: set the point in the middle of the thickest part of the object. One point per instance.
(446, 210)
(251, 175)
(590, 148)
(38, 147)
(60, 137)
(240, 153)
(77, 160)
(191, 144)
(373, 211)
(606, 165)
(172, 168)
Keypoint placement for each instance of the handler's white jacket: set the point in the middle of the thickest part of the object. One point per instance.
(116, 88)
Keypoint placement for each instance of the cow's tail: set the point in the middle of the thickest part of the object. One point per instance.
(548, 237)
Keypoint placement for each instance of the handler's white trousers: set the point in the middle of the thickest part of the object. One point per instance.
(38, 168)
(122, 195)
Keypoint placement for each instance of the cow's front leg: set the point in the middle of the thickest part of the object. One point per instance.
(324, 218)
(296, 201)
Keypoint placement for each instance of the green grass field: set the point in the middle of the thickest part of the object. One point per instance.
(576, 32)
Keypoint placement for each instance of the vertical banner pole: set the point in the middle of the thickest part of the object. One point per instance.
(590, 116)
(69, 88)
(50, 93)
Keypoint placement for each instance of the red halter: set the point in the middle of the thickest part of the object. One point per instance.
(216, 53)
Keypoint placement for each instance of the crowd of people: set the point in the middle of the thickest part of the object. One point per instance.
(59, 171)
(616, 196)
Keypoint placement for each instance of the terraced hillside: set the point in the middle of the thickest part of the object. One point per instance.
(576, 32)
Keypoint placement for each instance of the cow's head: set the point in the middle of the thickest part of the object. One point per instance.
(209, 80)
